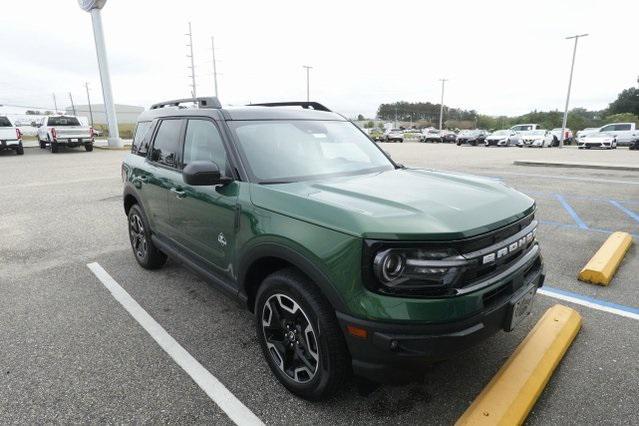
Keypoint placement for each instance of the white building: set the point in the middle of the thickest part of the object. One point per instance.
(127, 114)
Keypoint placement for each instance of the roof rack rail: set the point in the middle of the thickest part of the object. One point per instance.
(204, 102)
(306, 105)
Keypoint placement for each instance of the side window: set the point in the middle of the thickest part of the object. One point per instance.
(167, 143)
(204, 143)
(622, 127)
(607, 128)
(142, 132)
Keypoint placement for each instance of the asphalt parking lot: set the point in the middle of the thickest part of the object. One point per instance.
(69, 352)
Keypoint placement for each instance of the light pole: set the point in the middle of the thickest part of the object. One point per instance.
(441, 104)
(94, 7)
(572, 67)
(308, 91)
(190, 46)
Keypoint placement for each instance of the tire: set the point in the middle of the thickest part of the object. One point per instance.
(54, 147)
(20, 149)
(88, 147)
(282, 332)
(43, 144)
(144, 251)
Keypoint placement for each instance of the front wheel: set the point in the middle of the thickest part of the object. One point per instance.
(145, 252)
(290, 312)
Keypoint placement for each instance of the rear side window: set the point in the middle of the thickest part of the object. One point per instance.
(167, 142)
(204, 143)
(622, 127)
(4, 122)
(63, 121)
(142, 138)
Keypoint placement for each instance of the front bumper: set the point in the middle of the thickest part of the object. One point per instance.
(398, 352)
(604, 145)
(10, 144)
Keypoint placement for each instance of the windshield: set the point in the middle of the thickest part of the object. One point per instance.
(501, 133)
(4, 122)
(285, 151)
(537, 133)
(63, 121)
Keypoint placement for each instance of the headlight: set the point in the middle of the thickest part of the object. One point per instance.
(406, 269)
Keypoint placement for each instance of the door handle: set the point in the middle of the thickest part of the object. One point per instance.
(178, 192)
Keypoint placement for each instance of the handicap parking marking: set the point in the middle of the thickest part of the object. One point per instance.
(564, 203)
(590, 302)
(624, 209)
(233, 407)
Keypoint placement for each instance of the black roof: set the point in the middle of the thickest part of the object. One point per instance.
(275, 111)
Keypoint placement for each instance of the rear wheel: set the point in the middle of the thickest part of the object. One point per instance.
(88, 147)
(290, 312)
(145, 252)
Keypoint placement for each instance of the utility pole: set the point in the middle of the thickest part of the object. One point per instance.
(86, 84)
(55, 103)
(308, 93)
(441, 104)
(214, 66)
(190, 46)
(572, 67)
(72, 105)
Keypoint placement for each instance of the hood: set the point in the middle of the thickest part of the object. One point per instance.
(604, 137)
(406, 204)
(497, 137)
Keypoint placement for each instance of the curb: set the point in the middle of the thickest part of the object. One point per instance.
(513, 391)
(106, 148)
(603, 265)
(533, 163)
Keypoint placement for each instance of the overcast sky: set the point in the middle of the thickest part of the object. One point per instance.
(501, 57)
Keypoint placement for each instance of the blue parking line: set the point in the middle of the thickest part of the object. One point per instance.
(627, 211)
(580, 223)
(593, 300)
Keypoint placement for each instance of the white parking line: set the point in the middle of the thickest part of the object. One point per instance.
(590, 302)
(232, 406)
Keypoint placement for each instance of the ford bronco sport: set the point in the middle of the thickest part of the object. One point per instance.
(350, 262)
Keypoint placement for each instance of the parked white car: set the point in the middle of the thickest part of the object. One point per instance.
(64, 130)
(10, 136)
(584, 132)
(598, 140)
(625, 133)
(536, 139)
(393, 135)
(506, 137)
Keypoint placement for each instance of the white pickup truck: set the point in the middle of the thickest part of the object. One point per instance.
(64, 130)
(10, 136)
(625, 133)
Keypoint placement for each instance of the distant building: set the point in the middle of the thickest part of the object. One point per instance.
(127, 114)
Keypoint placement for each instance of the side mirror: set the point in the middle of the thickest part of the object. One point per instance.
(203, 173)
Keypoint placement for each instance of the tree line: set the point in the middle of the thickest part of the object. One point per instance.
(424, 114)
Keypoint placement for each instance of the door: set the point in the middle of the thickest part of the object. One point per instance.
(161, 167)
(203, 217)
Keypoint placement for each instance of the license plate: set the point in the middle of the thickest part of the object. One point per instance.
(520, 307)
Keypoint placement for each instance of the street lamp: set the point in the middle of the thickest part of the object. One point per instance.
(94, 7)
(572, 67)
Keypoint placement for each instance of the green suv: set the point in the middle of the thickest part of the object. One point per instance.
(350, 262)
